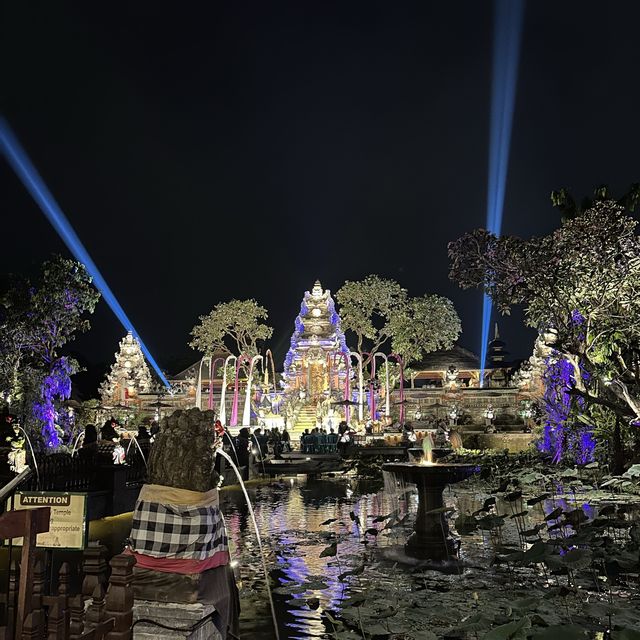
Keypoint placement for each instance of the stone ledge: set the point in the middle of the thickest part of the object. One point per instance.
(173, 614)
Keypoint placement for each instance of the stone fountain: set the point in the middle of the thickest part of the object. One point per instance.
(431, 539)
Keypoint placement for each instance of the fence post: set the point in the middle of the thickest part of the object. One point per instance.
(120, 597)
(39, 577)
(12, 596)
(95, 612)
(33, 627)
(94, 567)
(57, 627)
(64, 578)
(76, 613)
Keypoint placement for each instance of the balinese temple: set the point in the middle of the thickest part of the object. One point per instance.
(438, 366)
(462, 367)
(314, 366)
(129, 375)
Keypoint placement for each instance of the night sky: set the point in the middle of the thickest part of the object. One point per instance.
(245, 149)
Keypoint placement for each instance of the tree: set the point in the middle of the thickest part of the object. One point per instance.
(37, 320)
(580, 285)
(236, 327)
(380, 313)
(422, 325)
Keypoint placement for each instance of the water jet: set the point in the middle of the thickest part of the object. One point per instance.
(431, 539)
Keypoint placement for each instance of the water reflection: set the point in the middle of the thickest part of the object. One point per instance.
(290, 515)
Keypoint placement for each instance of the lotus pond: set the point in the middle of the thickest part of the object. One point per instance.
(544, 553)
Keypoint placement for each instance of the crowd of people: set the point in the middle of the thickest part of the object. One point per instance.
(109, 440)
(271, 441)
(445, 436)
(319, 440)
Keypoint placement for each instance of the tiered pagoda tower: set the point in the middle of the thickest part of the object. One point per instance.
(129, 374)
(498, 368)
(496, 354)
(314, 365)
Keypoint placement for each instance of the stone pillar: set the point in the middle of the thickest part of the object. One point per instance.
(430, 539)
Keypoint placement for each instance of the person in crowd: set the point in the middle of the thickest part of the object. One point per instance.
(143, 435)
(286, 440)
(314, 440)
(368, 427)
(242, 452)
(90, 441)
(442, 434)
(155, 428)
(108, 431)
(322, 441)
(257, 444)
(7, 431)
(332, 441)
(275, 441)
(263, 441)
(344, 437)
(304, 441)
(409, 435)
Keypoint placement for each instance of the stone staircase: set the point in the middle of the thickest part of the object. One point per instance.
(306, 419)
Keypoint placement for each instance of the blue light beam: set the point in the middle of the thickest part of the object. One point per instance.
(19, 161)
(507, 35)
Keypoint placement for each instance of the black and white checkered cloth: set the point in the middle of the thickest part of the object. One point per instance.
(174, 531)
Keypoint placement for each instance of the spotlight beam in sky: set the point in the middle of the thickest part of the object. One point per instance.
(19, 161)
(507, 34)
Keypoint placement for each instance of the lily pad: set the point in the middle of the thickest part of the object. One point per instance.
(561, 632)
(511, 630)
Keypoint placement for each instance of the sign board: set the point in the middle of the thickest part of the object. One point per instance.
(68, 523)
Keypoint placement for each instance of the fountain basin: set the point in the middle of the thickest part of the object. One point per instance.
(431, 538)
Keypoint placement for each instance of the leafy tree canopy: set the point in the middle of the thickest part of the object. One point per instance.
(37, 319)
(380, 313)
(583, 282)
(236, 327)
(422, 325)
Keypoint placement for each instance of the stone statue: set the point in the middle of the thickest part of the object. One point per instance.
(523, 376)
(489, 416)
(186, 574)
(451, 376)
(182, 455)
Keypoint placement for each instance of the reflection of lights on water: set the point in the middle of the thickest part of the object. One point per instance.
(293, 523)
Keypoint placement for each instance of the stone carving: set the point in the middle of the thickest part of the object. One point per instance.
(523, 376)
(451, 376)
(182, 454)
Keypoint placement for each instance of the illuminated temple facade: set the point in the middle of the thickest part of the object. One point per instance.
(314, 365)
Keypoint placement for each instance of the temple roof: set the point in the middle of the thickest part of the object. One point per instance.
(192, 370)
(317, 328)
(441, 360)
(189, 372)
